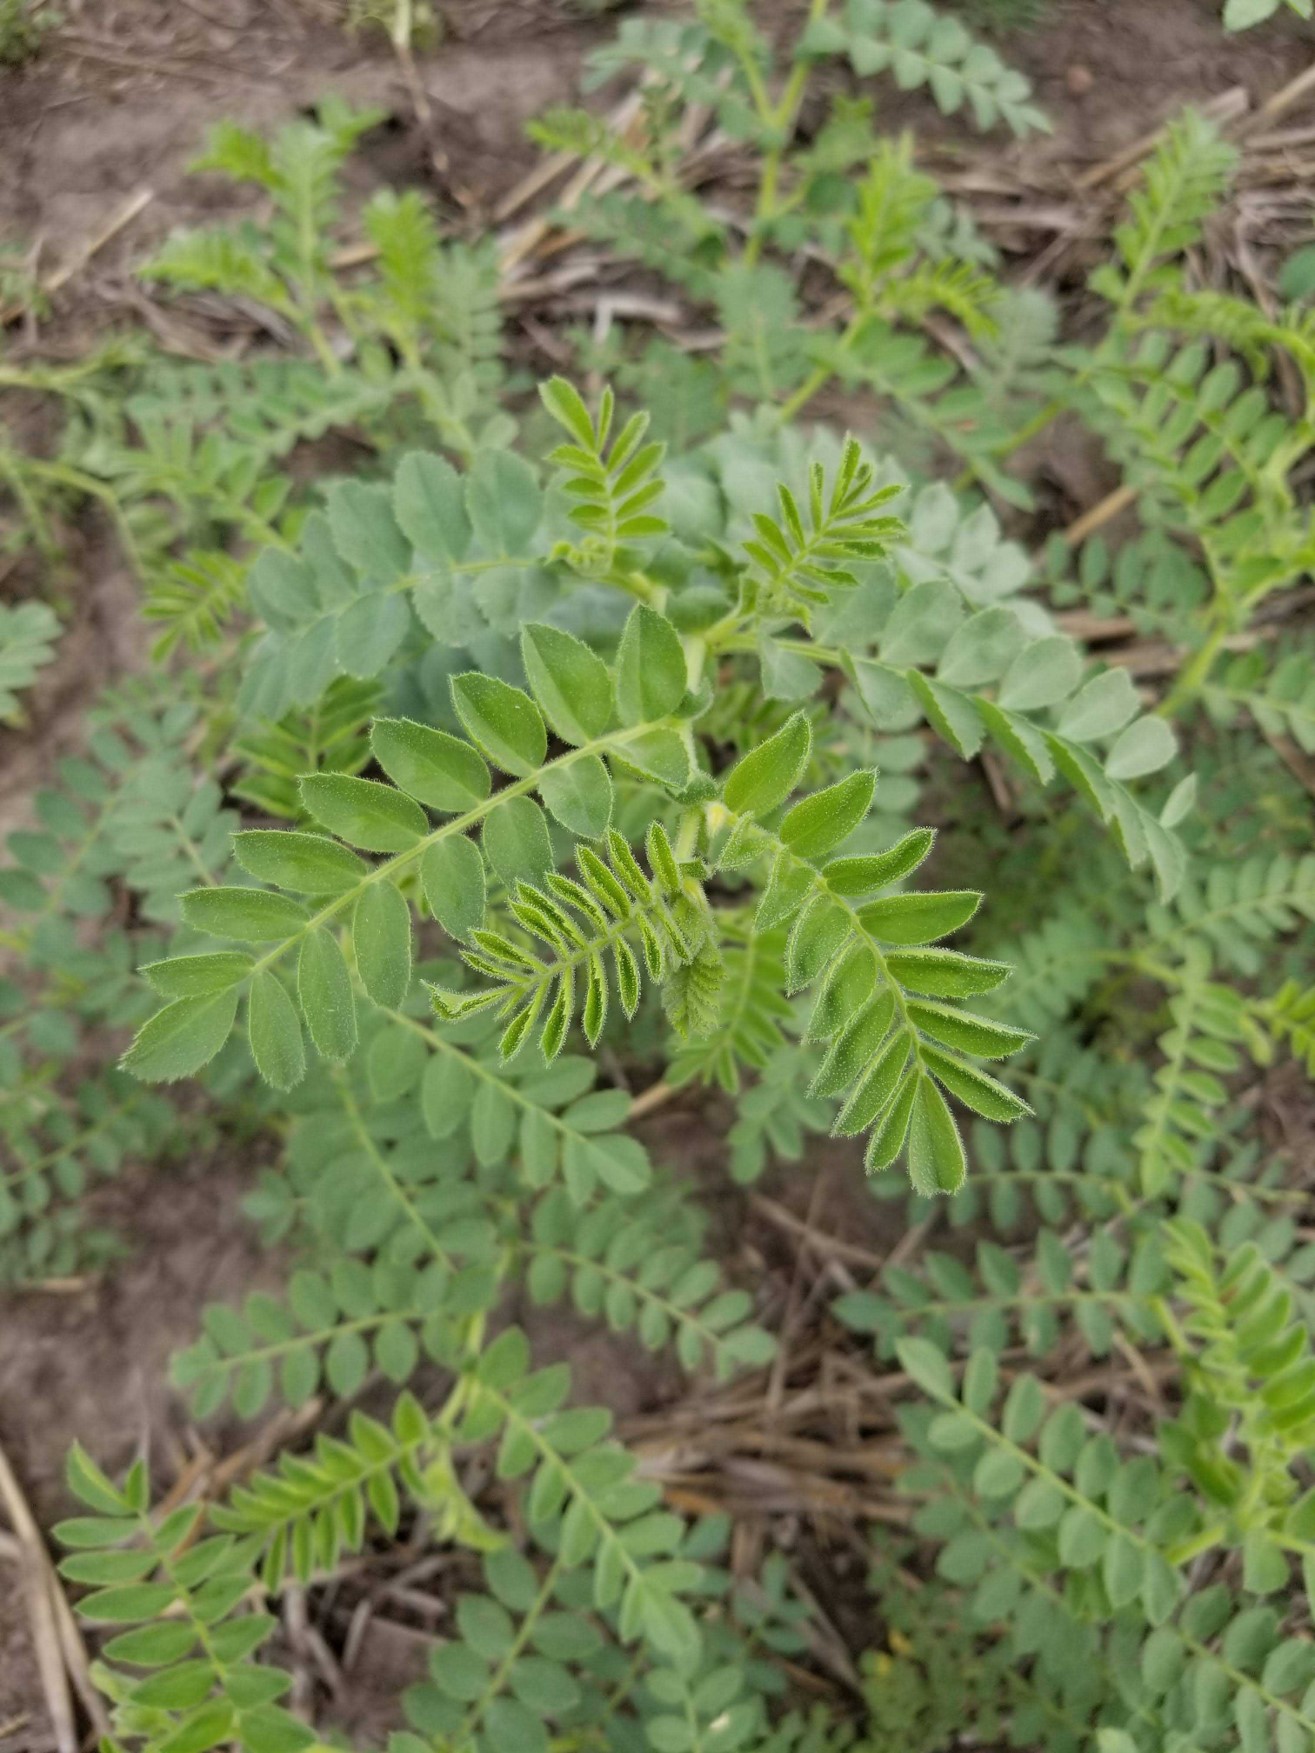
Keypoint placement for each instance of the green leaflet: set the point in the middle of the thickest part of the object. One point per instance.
(856, 877)
(250, 915)
(919, 919)
(363, 812)
(936, 1159)
(308, 864)
(274, 1033)
(885, 1048)
(381, 937)
(429, 765)
(452, 876)
(570, 681)
(1042, 674)
(580, 797)
(819, 824)
(324, 988)
(1104, 705)
(516, 842)
(181, 1038)
(503, 721)
(1144, 747)
(197, 976)
(766, 777)
(981, 648)
(650, 668)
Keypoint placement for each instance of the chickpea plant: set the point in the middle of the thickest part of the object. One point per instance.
(565, 760)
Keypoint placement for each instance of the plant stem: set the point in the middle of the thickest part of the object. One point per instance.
(1195, 673)
(780, 119)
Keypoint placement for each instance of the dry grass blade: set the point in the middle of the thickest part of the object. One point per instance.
(60, 1655)
(135, 205)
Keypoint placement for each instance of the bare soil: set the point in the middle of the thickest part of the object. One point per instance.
(117, 103)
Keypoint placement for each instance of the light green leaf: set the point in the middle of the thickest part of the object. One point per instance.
(369, 631)
(249, 915)
(566, 405)
(952, 715)
(274, 1031)
(1104, 705)
(1043, 674)
(1082, 1537)
(346, 1363)
(982, 648)
(921, 624)
(381, 936)
(1180, 802)
(504, 501)
(919, 919)
(363, 812)
(365, 531)
(308, 864)
(324, 988)
(946, 973)
(579, 796)
(818, 934)
(936, 1160)
(964, 1032)
(1019, 738)
(660, 755)
(1147, 745)
(429, 765)
(197, 976)
(650, 668)
(429, 504)
(818, 824)
(854, 877)
(178, 1040)
(926, 1364)
(502, 720)
(396, 1062)
(569, 681)
(516, 842)
(1242, 14)
(766, 776)
(452, 876)
(975, 1088)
